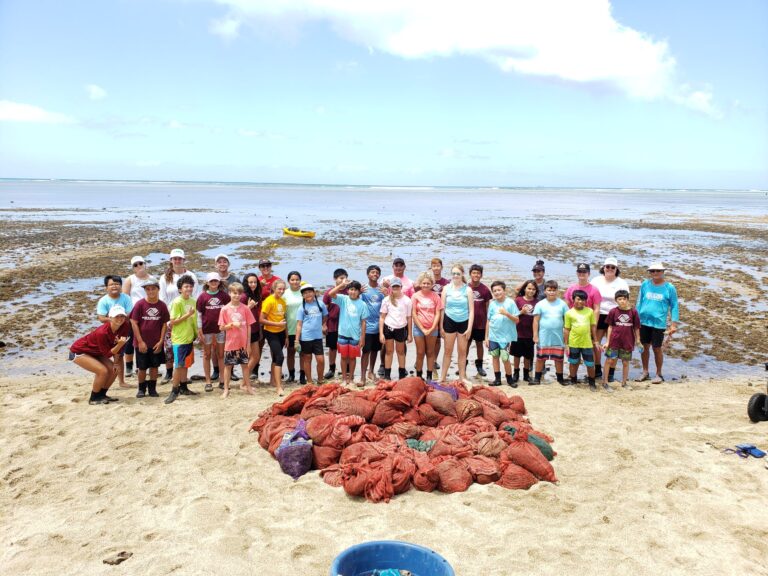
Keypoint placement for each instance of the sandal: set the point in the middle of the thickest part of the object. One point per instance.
(645, 376)
(657, 380)
(209, 387)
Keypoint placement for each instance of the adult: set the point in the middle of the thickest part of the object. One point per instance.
(266, 278)
(222, 267)
(98, 351)
(398, 271)
(169, 291)
(582, 283)
(436, 266)
(481, 297)
(459, 312)
(115, 297)
(538, 278)
(293, 299)
(656, 303)
(608, 283)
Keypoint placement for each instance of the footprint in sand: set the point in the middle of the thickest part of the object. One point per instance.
(682, 483)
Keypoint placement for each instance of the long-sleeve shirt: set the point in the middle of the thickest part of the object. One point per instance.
(655, 302)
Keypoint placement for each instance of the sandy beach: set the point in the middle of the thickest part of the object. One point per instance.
(644, 489)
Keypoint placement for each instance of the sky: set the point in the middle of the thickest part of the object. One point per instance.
(563, 93)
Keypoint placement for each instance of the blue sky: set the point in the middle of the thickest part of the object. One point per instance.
(494, 93)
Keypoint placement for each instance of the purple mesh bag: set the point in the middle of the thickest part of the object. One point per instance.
(295, 451)
(450, 389)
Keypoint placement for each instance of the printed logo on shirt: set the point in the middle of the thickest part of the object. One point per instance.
(214, 303)
(237, 317)
(654, 296)
(476, 294)
(151, 313)
(279, 307)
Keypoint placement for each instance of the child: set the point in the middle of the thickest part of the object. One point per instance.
(235, 320)
(311, 324)
(373, 296)
(623, 335)
(580, 333)
(352, 315)
(115, 297)
(183, 332)
(395, 327)
(427, 313)
(251, 297)
(209, 305)
(481, 297)
(293, 300)
(97, 351)
(149, 320)
(273, 319)
(332, 336)
(548, 321)
(501, 330)
(523, 348)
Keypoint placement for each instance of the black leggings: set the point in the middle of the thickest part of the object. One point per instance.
(276, 341)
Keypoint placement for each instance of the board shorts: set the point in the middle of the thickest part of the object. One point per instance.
(496, 350)
(349, 347)
(575, 355)
(417, 333)
(183, 355)
(331, 340)
(652, 336)
(312, 347)
(478, 335)
(235, 357)
(276, 341)
(372, 343)
(149, 359)
(602, 322)
(450, 326)
(396, 334)
(550, 353)
(612, 353)
(220, 338)
(522, 348)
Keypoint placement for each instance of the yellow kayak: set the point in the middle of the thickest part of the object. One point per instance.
(298, 233)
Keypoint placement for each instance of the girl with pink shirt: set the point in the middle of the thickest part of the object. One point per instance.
(427, 312)
(395, 327)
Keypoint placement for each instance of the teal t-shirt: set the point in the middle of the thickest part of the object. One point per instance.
(551, 321)
(500, 328)
(351, 314)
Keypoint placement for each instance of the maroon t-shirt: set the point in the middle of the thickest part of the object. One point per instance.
(624, 323)
(525, 326)
(101, 341)
(209, 306)
(333, 311)
(151, 318)
(482, 296)
(437, 287)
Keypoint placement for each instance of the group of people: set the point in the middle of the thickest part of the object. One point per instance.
(156, 321)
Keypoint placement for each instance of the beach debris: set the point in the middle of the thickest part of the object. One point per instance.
(118, 558)
(379, 442)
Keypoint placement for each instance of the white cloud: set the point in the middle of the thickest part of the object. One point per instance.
(176, 125)
(95, 92)
(577, 41)
(18, 112)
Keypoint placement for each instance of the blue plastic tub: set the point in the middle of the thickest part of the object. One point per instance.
(362, 559)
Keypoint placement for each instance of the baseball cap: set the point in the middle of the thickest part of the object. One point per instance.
(221, 256)
(582, 267)
(395, 282)
(398, 260)
(656, 266)
(306, 286)
(117, 311)
(151, 281)
(177, 253)
(136, 259)
(611, 261)
(212, 276)
(538, 266)
(265, 262)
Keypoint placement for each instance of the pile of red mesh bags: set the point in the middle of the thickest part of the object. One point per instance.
(379, 442)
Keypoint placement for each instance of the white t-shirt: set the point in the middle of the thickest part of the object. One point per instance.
(137, 292)
(169, 291)
(608, 291)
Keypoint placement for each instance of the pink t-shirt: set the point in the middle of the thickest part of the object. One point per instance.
(396, 316)
(407, 283)
(425, 307)
(593, 295)
(237, 337)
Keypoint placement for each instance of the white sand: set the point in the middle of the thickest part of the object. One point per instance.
(188, 490)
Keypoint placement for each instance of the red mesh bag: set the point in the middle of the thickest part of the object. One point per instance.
(342, 430)
(316, 407)
(405, 429)
(412, 415)
(451, 445)
(447, 420)
(261, 421)
(429, 416)
(517, 404)
(275, 428)
(403, 469)
(493, 413)
(320, 427)
(467, 408)
(425, 478)
(528, 428)
(332, 475)
(516, 477)
(353, 405)
(490, 395)
(478, 424)
(366, 433)
(484, 470)
(413, 387)
(525, 454)
(489, 444)
(294, 402)
(442, 403)
(378, 483)
(324, 456)
(354, 477)
(362, 452)
(454, 476)
(390, 411)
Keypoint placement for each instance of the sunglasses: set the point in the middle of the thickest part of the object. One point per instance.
(137, 264)
(609, 267)
(455, 273)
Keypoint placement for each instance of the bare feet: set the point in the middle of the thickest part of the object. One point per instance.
(225, 393)
(280, 392)
(468, 382)
(248, 390)
(124, 385)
